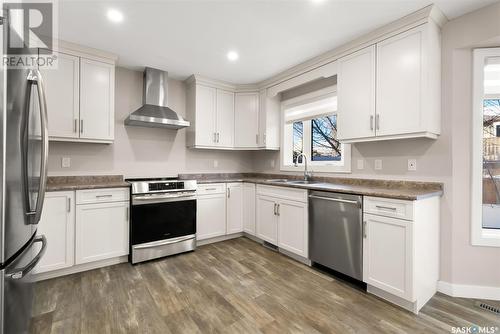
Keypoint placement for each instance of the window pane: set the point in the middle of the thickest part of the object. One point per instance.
(298, 140)
(324, 143)
(491, 163)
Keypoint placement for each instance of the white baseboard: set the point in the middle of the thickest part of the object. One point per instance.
(469, 291)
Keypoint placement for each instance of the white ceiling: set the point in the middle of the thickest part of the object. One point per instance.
(193, 36)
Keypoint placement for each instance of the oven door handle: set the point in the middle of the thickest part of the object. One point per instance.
(140, 200)
(164, 242)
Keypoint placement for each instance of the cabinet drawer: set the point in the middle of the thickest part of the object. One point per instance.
(105, 195)
(388, 207)
(291, 194)
(211, 188)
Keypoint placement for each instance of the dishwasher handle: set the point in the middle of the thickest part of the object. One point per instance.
(338, 200)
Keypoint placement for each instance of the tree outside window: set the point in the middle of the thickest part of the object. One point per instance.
(324, 143)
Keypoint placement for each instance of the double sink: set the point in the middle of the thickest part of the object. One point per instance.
(293, 182)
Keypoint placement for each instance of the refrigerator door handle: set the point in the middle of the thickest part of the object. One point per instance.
(35, 78)
(19, 273)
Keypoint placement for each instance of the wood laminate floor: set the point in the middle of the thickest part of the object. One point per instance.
(235, 286)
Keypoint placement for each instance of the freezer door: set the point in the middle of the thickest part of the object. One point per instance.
(17, 289)
(24, 159)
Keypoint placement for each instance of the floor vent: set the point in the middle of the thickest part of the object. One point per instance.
(490, 308)
(270, 246)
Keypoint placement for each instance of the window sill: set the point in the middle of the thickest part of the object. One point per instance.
(486, 237)
(317, 169)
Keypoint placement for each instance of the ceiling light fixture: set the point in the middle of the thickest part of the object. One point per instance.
(114, 15)
(232, 56)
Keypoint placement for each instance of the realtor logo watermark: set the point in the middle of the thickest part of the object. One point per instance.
(31, 34)
(475, 330)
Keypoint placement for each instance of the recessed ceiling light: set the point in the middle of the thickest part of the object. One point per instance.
(232, 55)
(115, 15)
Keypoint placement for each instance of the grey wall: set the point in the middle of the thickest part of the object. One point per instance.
(141, 151)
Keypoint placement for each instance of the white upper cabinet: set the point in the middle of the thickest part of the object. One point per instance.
(80, 94)
(62, 90)
(211, 113)
(97, 86)
(246, 126)
(225, 118)
(269, 121)
(356, 94)
(206, 115)
(407, 88)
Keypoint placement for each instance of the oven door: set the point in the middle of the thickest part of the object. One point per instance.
(158, 217)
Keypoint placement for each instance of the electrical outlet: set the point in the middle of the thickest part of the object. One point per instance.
(361, 164)
(216, 163)
(378, 164)
(65, 162)
(412, 164)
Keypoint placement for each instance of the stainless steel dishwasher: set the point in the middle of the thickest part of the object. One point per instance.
(336, 232)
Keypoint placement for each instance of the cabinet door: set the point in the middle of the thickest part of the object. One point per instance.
(249, 208)
(62, 90)
(58, 226)
(234, 208)
(210, 216)
(246, 123)
(269, 121)
(97, 100)
(356, 94)
(267, 222)
(387, 255)
(101, 231)
(293, 227)
(225, 118)
(206, 102)
(399, 83)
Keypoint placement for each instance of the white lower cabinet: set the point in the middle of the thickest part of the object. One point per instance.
(401, 249)
(267, 219)
(58, 226)
(293, 227)
(249, 208)
(282, 218)
(211, 211)
(234, 208)
(81, 227)
(101, 231)
(387, 254)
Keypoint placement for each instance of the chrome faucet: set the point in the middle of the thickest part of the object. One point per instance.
(307, 173)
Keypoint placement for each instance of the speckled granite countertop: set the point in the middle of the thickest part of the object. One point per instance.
(61, 183)
(406, 190)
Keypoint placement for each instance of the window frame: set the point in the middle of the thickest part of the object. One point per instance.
(479, 236)
(314, 166)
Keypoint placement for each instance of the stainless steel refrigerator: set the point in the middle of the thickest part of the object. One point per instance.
(23, 175)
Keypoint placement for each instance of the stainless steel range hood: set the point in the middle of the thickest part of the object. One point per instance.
(155, 111)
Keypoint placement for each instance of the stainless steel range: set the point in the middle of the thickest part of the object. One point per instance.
(163, 218)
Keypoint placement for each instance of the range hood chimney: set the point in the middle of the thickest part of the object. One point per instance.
(155, 112)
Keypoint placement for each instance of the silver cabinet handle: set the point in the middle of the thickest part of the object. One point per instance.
(19, 273)
(210, 189)
(69, 205)
(218, 136)
(339, 200)
(35, 78)
(81, 126)
(278, 209)
(385, 207)
(104, 196)
(377, 122)
(371, 122)
(364, 229)
(228, 192)
(75, 126)
(275, 209)
(215, 137)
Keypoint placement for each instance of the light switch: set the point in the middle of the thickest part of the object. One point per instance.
(378, 164)
(412, 164)
(361, 164)
(66, 162)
